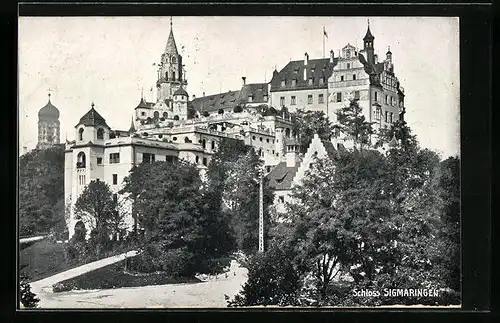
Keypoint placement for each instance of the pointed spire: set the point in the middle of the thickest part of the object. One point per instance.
(368, 35)
(171, 47)
(49, 97)
(389, 50)
(132, 128)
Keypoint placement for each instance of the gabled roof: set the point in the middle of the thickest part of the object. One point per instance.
(281, 176)
(92, 118)
(258, 91)
(294, 70)
(181, 91)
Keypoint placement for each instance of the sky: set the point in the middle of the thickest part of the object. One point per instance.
(109, 61)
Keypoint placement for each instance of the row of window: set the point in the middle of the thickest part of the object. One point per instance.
(293, 99)
(100, 133)
(204, 162)
(342, 78)
(389, 100)
(310, 81)
(264, 98)
(338, 96)
(260, 138)
(389, 116)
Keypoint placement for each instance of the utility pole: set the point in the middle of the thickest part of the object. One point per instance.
(261, 212)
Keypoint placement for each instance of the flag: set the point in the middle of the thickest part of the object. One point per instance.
(324, 32)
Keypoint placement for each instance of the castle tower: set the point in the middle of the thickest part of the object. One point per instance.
(170, 74)
(368, 45)
(48, 126)
(180, 101)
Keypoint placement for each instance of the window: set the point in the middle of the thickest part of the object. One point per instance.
(80, 134)
(386, 116)
(115, 179)
(294, 82)
(81, 180)
(281, 198)
(81, 160)
(293, 100)
(197, 159)
(205, 161)
(341, 77)
(204, 143)
(143, 113)
(348, 65)
(321, 80)
(282, 101)
(265, 98)
(173, 73)
(267, 140)
(356, 95)
(114, 158)
(339, 97)
(354, 76)
(310, 81)
(115, 198)
(156, 115)
(100, 133)
(170, 159)
(253, 137)
(309, 99)
(283, 83)
(268, 169)
(250, 98)
(148, 158)
(99, 160)
(320, 98)
(390, 116)
(260, 138)
(273, 152)
(377, 114)
(165, 115)
(213, 144)
(386, 99)
(375, 96)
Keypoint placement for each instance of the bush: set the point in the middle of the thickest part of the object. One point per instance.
(272, 280)
(205, 114)
(238, 109)
(28, 298)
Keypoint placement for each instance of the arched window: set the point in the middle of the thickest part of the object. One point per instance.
(156, 115)
(221, 111)
(80, 134)
(173, 76)
(287, 132)
(203, 143)
(165, 115)
(80, 160)
(100, 133)
(166, 76)
(176, 117)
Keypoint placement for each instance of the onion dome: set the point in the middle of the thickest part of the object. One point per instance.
(49, 111)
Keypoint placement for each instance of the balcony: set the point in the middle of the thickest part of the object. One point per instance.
(80, 165)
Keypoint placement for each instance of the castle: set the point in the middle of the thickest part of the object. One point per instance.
(175, 127)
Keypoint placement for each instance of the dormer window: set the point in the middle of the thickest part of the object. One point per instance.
(321, 80)
(310, 81)
(265, 97)
(283, 83)
(250, 98)
(294, 82)
(100, 133)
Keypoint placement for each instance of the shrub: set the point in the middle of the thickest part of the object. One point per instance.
(64, 286)
(205, 114)
(238, 109)
(28, 298)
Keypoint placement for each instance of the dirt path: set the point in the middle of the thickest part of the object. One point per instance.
(205, 294)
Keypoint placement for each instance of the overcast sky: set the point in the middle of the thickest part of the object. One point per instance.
(109, 59)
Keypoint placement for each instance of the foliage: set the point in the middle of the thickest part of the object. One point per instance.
(28, 298)
(353, 124)
(96, 207)
(238, 109)
(206, 113)
(41, 189)
(308, 123)
(170, 204)
(191, 113)
(272, 280)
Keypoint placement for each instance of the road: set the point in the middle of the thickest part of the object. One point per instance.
(204, 294)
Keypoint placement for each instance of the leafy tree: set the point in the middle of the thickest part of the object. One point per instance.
(41, 188)
(308, 123)
(28, 298)
(272, 280)
(170, 204)
(353, 124)
(96, 207)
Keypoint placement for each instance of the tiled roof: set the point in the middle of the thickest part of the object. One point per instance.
(93, 118)
(294, 70)
(171, 47)
(231, 99)
(181, 91)
(368, 35)
(143, 104)
(281, 177)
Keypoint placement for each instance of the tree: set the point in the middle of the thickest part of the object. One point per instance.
(28, 298)
(41, 189)
(96, 207)
(308, 123)
(353, 124)
(170, 205)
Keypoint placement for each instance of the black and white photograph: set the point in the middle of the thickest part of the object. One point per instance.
(239, 161)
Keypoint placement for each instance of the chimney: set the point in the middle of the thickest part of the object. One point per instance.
(244, 79)
(331, 56)
(292, 155)
(306, 58)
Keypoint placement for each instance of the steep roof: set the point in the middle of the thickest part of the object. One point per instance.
(92, 118)
(49, 111)
(171, 47)
(231, 99)
(368, 35)
(294, 70)
(281, 176)
(181, 91)
(143, 104)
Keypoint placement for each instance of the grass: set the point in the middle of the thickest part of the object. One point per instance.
(42, 259)
(114, 276)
